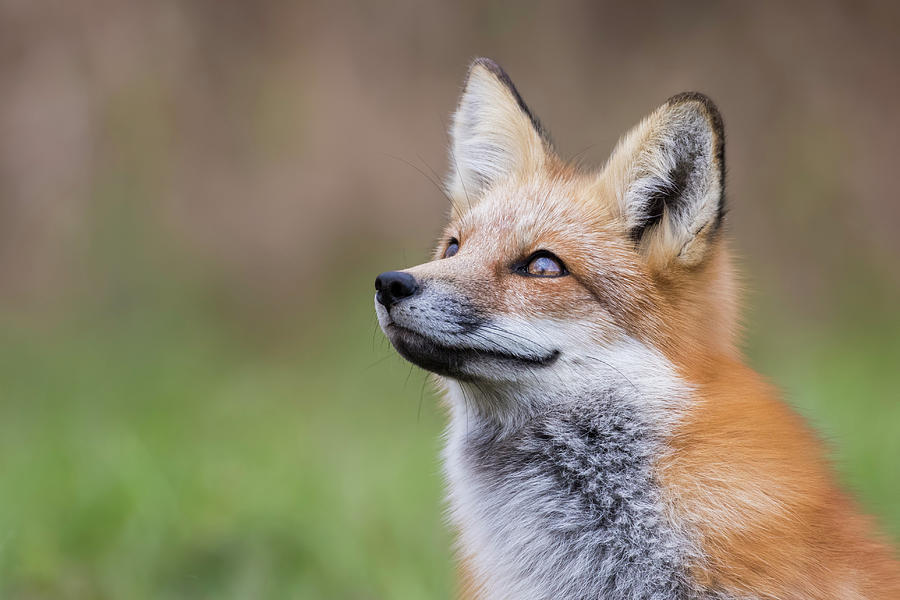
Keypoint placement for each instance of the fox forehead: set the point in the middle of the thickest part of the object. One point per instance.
(563, 212)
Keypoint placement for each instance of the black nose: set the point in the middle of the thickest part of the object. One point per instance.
(394, 286)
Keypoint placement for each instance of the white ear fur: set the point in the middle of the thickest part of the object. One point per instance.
(494, 135)
(668, 176)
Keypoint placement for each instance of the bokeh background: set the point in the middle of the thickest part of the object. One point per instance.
(195, 197)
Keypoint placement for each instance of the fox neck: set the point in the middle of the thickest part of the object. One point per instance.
(561, 492)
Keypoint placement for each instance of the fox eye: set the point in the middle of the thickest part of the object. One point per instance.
(544, 264)
(452, 248)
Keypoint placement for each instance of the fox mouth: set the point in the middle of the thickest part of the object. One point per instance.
(449, 361)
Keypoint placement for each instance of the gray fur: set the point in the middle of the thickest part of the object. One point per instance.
(585, 516)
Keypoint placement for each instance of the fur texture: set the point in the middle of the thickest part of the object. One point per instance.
(605, 440)
(564, 504)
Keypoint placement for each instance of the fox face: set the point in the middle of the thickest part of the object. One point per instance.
(549, 277)
(546, 273)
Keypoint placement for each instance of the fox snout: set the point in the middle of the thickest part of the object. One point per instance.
(437, 325)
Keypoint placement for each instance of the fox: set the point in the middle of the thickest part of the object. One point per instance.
(605, 438)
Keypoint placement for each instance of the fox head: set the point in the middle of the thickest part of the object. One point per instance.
(550, 279)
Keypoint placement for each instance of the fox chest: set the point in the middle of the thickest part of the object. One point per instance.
(566, 507)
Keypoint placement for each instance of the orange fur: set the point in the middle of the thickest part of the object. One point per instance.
(747, 473)
(743, 471)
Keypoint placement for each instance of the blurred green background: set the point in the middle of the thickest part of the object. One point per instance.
(195, 197)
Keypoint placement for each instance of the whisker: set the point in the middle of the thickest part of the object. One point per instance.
(421, 397)
(459, 174)
(374, 332)
(379, 361)
(489, 342)
(408, 375)
(423, 173)
(512, 336)
(578, 155)
(437, 177)
(617, 370)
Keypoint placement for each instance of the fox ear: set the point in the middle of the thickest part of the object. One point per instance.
(493, 135)
(668, 174)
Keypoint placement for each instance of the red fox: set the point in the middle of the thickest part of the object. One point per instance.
(605, 439)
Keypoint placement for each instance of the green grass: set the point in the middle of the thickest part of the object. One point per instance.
(156, 457)
(163, 453)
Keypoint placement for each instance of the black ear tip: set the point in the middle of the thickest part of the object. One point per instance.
(698, 97)
(706, 105)
(490, 65)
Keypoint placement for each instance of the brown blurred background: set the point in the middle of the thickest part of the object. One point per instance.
(260, 136)
(196, 195)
